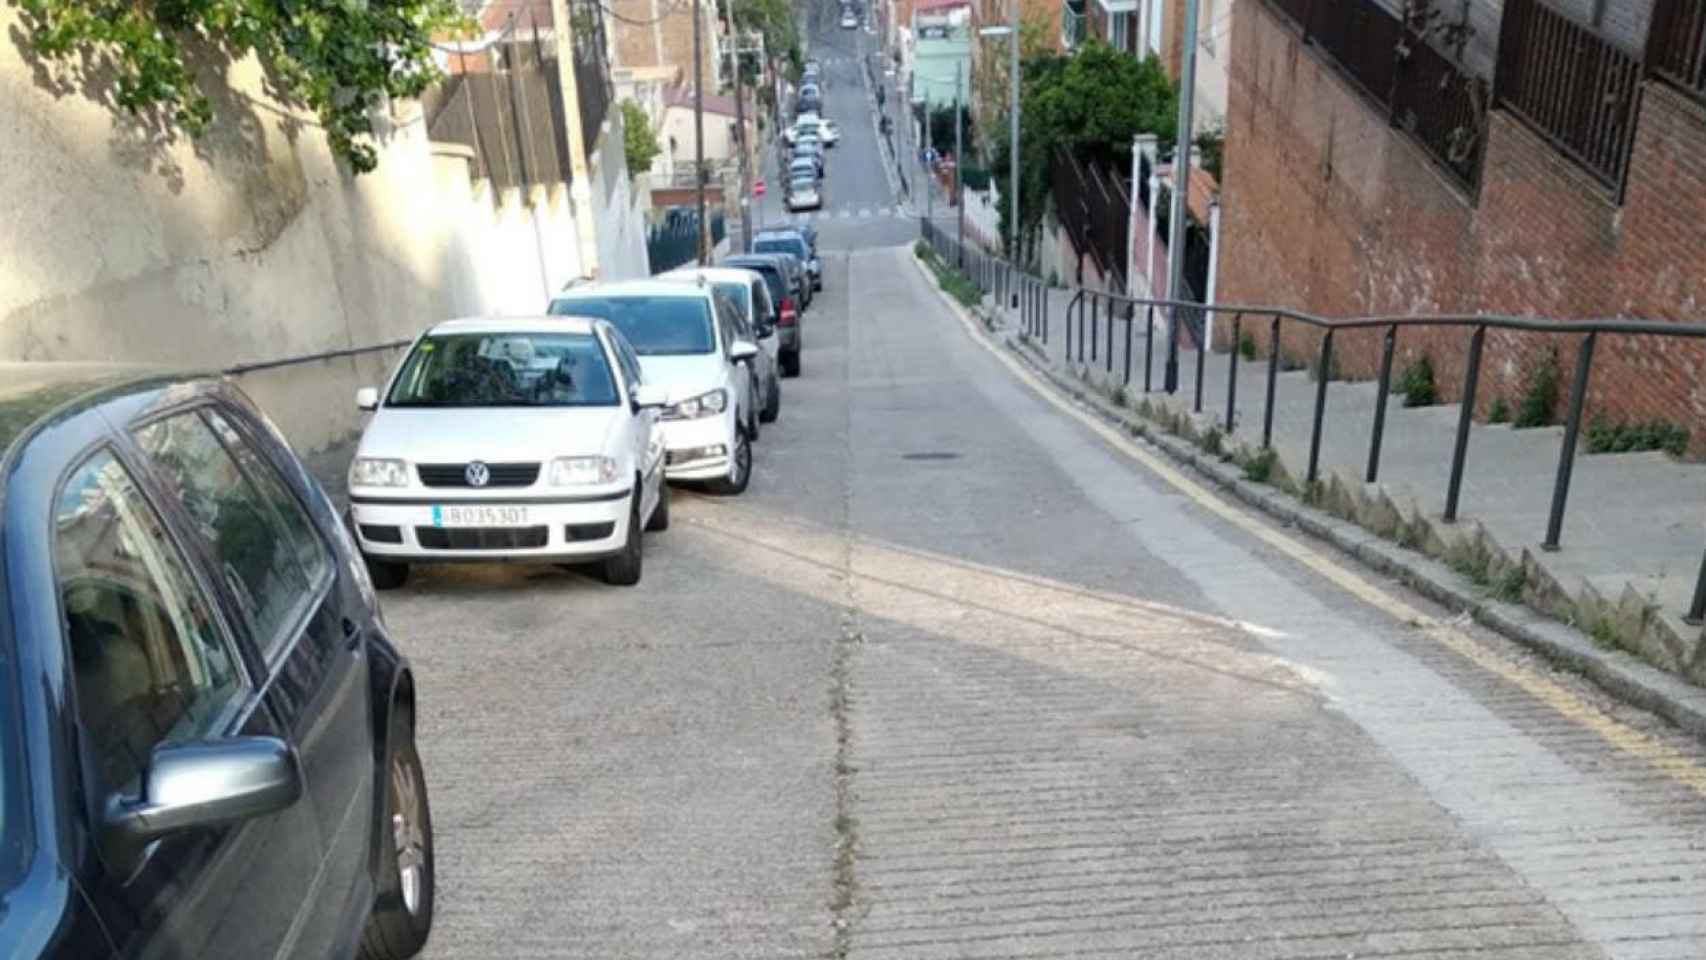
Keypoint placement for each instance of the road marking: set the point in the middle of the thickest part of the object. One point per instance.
(1678, 767)
(846, 213)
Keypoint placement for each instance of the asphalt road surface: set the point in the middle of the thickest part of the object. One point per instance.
(963, 676)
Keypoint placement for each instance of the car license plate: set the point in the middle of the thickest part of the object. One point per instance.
(479, 516)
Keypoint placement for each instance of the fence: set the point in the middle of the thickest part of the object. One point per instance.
(1676, 44)
(592, 72)
(506, 104)
(1094, 319)
(1096, 211)
(1573, 86)
(1428, 96)
(675, 241)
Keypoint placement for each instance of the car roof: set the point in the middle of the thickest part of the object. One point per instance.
(522, 324)
(29, 392)
(726, 274)
(631, 288)
(773, 260)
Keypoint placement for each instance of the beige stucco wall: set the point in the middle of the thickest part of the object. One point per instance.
(125, 243)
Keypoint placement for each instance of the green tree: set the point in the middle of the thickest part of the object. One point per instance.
(1090, 104)
(340, 59)
(639, 140)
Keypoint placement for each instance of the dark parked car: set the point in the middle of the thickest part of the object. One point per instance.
(794, 241)
(206, 737)
(774, 269)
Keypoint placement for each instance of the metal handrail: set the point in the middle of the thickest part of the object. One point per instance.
(1087, 307)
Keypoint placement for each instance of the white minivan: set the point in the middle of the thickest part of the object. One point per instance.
(510, 439)
(685, 335)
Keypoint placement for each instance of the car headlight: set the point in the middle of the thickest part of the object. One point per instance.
(577, 471)
(376, 472)
(704, 405)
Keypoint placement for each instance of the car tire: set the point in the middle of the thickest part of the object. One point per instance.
(402, 911)
(740, 468)
(790, 363)
(772, 402)
(386, 574)
(658, 522)
(623, 570)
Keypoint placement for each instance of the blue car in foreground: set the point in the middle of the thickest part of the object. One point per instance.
(207, 740)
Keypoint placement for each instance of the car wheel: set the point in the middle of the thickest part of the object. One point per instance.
(623, 570)
(740, 468)
(386, 574)
(659, 520)
(772, 402)
(402, 912)
(790, 364)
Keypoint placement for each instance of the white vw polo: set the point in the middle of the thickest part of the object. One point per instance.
(686, 336)
(510, 439)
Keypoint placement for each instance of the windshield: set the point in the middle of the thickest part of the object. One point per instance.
(740, 293)
(505, 370)
(798, 184)
(781, 245)
(772, 278)
(656, 326)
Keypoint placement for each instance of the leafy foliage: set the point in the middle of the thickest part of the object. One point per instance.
(1500, 413)
(775, 19)
(1091, 104)
(638, 138)
(1416, 383)
(339, 58)
(1541, 397)
(1606, 436)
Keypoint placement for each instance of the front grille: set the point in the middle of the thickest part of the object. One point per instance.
(456, 474)
(481, 538)
(588, 531)
(376, 533)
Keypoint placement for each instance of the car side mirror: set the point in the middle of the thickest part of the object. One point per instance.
(367, 398)
(743, 350)
(765, 330)
(649, 395)
(201, 784)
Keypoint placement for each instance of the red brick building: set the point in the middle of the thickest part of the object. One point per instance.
(1333, 206)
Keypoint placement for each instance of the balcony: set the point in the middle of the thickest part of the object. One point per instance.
(1073, 29)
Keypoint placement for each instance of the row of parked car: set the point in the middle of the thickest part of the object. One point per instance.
(207, 735)
(805, 142)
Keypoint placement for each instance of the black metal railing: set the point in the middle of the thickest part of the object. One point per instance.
(1433, 99)
(1676, 44)
(1570, 84)
(1095, 210)
(1096, 323)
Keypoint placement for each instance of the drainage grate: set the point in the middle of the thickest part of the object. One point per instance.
(931, 455)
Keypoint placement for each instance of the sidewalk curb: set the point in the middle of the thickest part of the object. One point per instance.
(1619, 674)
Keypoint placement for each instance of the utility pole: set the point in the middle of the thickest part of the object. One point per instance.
(580, 184)
(1013, 147)
(929, 173)
(745, 145)
(959, 143)
(1181, 189)
(704, 248)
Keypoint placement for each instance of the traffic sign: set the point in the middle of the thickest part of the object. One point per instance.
(758, 188)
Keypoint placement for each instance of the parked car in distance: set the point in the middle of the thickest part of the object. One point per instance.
(207, 736)
(802, 193)
(810, 90)
(828, 132)
(685, 339)
(848, 20)
(776, 272)
(805, 166)
(750, 293)
(790, 240)
(516, 439)
(809, 147)
(800, 279)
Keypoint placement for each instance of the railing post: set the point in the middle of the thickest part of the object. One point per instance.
(1471, 378)
(1202, 355)
(1232, 372)
(1273, 378)
(1148, 346)
(1320, 405)
(1108, 354)
(1380, 402)
(1068, 331)
(1567, 455)
(1130, 318)
(1095, 315)
(1697, 610)
(1043, 298)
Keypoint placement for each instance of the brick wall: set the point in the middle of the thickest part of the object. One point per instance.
(659, 33)
(1329, 210)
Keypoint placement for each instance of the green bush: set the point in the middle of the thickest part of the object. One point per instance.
(1606, 436)
(1247, 347)
(1259, 467)
(1500, 413)
(1541, 398)
(974, 178)
(1416, 383)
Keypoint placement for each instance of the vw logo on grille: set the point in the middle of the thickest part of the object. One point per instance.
(477, 474)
